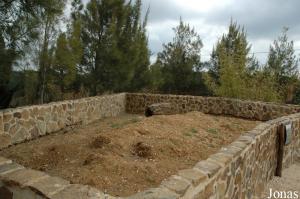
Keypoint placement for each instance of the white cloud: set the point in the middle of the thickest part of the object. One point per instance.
(263, 21)
(202, 5)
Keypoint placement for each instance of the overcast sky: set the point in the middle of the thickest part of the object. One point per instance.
(262, 19)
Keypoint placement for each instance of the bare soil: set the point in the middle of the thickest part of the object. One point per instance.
(130, 153)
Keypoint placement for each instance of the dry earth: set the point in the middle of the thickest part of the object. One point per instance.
(129, 153)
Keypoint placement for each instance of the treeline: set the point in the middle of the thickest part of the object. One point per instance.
(102, 47)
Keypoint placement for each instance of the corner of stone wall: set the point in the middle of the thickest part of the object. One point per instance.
(19, 182)
(136, 103)
(1, 123)
(239, 170)
(30, 122)
(4, 137)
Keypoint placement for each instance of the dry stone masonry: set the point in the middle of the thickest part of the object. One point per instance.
(238, 171)
(136, 103)
(25, 123)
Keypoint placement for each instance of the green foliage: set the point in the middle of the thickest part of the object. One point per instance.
(234, 73)
(64, 66)
(190, 132)
(261, 86)
(179, 62)
(68, 55)
(18, 26)
(50, 17)
(213, 131)
(30, 86)
(228, 64)
(283, 66)
(7, 57)
(115, 46)
(156, 78)
(296, 97)
(105, 49)
(124, 123)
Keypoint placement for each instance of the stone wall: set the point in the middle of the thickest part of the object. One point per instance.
(237, 171)
(136, 103)
(17, 182)
(25, 123)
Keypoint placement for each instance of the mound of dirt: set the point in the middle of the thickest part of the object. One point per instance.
(130, 153)
(142, 150)
(92, 158)
(100, 141)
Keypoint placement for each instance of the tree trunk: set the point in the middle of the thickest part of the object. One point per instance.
(159, 109)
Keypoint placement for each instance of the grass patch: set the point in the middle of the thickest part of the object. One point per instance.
(124, 123)
(190, 132)
(187, 134)
(116, 125)
(193, 130)
(134, 120)
(213, 131)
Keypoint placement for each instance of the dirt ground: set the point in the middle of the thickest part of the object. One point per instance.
(130, 153)
(289, 182)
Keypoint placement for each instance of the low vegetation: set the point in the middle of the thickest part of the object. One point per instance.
(103, 48)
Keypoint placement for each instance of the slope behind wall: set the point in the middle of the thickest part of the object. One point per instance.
(136, 103)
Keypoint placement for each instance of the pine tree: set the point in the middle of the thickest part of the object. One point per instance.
(180, 59)
(18, 29)
(115, 45)
(64, 66)
(283, 65)
(139, 54)
(229, 61)
(233, 72)
(50, 17)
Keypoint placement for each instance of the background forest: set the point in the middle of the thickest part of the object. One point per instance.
(102, 47)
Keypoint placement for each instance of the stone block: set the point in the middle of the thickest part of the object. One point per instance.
(220, 158)
(1, 123)
(155, 193)
(193, 175)
(231, 150)
(7, 168)
(17, 115)
(5, 141)
(177, 184)
(4, 161)
(262, 127)
(208, 167)
(49, 185)
(22, 177)
(239, 144)
(207, 192)
(7, 117)
(251, 134)
(81, 192)
(221, 189)
(245, 139)
(19, 135)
